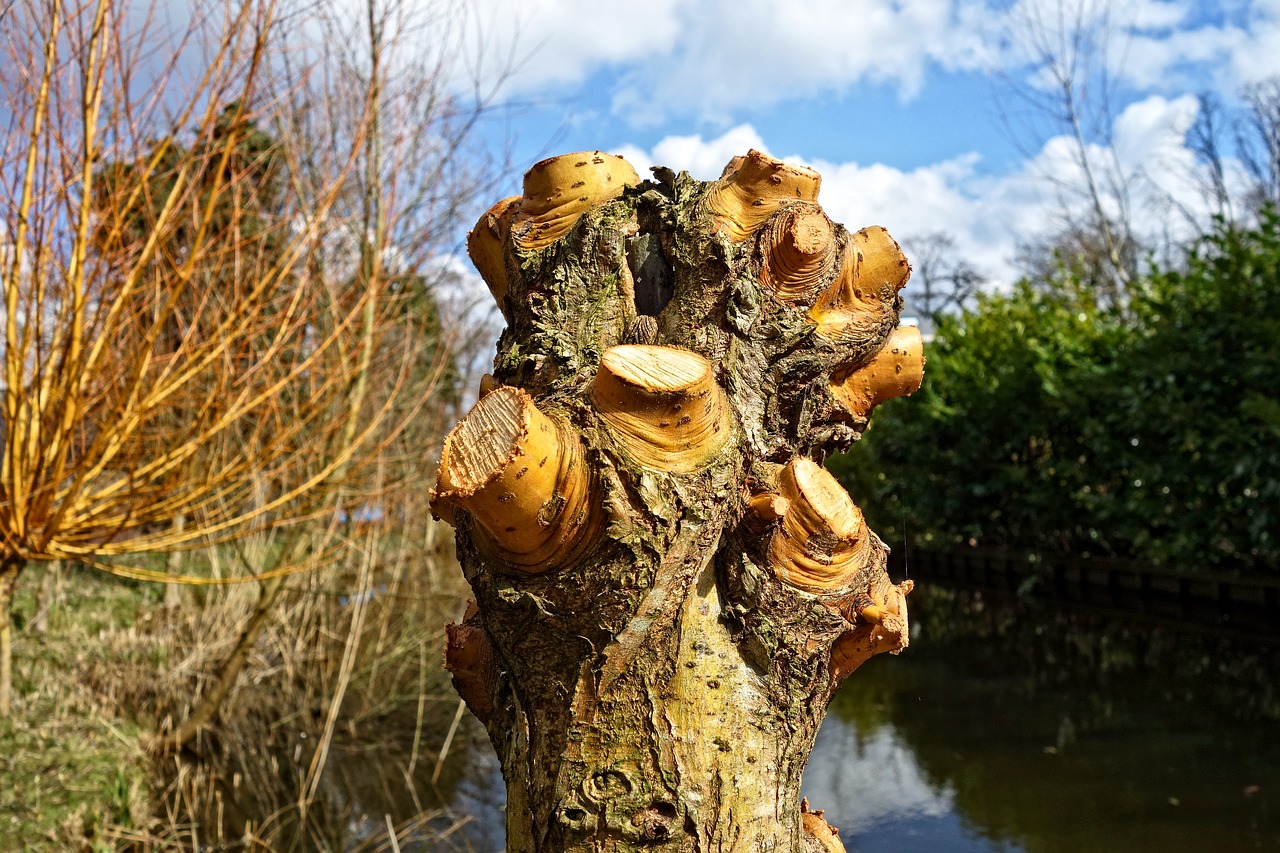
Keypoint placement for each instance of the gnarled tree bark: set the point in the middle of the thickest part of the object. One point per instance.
(669, 587)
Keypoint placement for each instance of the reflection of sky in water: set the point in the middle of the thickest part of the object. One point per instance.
(1004, 731)
(863, 781)
(473, 821)
(482, 795)
(872, 788)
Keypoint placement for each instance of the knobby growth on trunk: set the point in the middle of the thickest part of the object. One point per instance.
(669, 587)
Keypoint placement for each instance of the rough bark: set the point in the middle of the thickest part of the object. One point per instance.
(662, 573)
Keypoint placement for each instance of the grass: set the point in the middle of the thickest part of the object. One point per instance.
(72, 772)
(113, 668)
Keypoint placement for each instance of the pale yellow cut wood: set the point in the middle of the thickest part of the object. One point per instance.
(753, 188)
(822, 541)
(558, 190)
(822, 834)
(662, 405)
(873, 270)
(880, 625)
(522, 478)
(799, 254)
(768, 507)
(896, 371)
(485, 245)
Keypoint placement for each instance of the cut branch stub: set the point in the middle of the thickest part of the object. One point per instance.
(880, 625)
(468, 657)
(558, 190)
(821, 836)
(755, 187)
(662, 405)
(896, 371)
(485, 247)
(872, 272)
(521, 478)
(799, 253)
(822, 541)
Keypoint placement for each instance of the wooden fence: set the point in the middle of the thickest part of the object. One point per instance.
(1247, 604)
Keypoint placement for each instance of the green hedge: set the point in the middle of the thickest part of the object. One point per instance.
(1047, 423)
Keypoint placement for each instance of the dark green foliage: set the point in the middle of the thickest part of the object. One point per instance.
(1048, 423)
(238, 212)
(236, 198)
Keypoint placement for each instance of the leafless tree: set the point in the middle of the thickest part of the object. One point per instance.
(1205, 139)
(1258, 140)
(1068, 93)
(941, 279)
(144, 409)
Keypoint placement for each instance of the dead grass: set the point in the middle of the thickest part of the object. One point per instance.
(310, 754)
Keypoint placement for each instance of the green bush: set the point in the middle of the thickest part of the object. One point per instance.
(1047, 423)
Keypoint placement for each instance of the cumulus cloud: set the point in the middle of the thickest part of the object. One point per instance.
(538, 44)
(712, 58)
(1160, 52)
(1256, 57)
(705, 159)
(991, 215)
(735, 54)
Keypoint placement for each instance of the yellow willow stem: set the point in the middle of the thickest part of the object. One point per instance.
(72, 415)
(15, 468)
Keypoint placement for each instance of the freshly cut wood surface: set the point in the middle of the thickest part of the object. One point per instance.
(896, 371)
(753, 188)
(822, 539)
(520, 477)
(663, 406)
(485, 247)
(558, 190)
(873, 270)
(799, 254)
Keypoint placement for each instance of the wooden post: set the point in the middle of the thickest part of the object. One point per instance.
(668, 586)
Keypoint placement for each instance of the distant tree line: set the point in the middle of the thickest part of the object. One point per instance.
(1053, 420)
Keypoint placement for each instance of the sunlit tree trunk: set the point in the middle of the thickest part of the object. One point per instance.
(669, 587)
(173, 591)
(10, 568)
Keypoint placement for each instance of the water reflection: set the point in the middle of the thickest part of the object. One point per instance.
(1015, 726)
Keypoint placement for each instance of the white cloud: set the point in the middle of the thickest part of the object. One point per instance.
(1155, 53)
(991, 215)
(711, 58)
(870, 777)
(1257, 56)
(714, 59)
(735, 54)
(551, 42)
(704, 159)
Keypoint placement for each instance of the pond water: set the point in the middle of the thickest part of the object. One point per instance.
(1013, 725)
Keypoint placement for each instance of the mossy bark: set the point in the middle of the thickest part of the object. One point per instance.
(662, 687)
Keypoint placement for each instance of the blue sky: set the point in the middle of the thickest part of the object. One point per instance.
(904, 107)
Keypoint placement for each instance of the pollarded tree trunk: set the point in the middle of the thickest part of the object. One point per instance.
(669, 587)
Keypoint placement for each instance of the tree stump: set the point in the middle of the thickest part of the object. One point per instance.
(669, 587)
